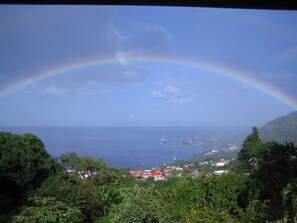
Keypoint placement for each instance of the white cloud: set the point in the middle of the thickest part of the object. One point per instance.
(89, 89)
(116, 31)
(172, 91)
(182, 100)
(54, 91)
(130, 75)
(154, 28)
(150, 39)
(172, 94)
(156, 94)
(123, 57)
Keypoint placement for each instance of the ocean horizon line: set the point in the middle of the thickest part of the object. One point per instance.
(125, 126)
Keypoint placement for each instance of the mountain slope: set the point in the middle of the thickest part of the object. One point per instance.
(282, 129)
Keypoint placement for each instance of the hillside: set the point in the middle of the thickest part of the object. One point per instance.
(282, 129)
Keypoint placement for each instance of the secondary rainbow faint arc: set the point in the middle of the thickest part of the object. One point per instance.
(213, 68)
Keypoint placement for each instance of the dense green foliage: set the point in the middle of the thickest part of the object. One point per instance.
(217, 195)
(48, 209)
(249, 154)
(24, 164)
(270, 169)
(260, 186)
(140, 205)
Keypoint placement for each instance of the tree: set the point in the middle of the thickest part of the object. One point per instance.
(275, 170)
(140, 205)
(289, 194)
(202, 214)
(24, 165)
(251, 148)
(179, 197)
(106, 197)
(49, 210)
(63, 187)
(269, 168)
(85, 166)
(193, 199)
(113, 177)
(94, 202)
(69, 160)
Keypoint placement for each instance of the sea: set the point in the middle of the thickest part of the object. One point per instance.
(127, 147)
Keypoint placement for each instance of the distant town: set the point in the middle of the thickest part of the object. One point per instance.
(212, 162)
(211, 165)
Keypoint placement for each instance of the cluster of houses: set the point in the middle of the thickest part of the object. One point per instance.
(228, 148)
(157, 174)
(220, 163)
(82, 174)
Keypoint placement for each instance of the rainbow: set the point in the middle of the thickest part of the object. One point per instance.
(208, 67)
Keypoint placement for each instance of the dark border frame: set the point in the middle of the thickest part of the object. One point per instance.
(244, 4)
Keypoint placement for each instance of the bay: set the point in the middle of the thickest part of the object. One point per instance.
(127, 147)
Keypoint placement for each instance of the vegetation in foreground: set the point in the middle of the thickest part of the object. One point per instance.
(261, 186)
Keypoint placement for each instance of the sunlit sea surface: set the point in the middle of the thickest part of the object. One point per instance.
(127, 146)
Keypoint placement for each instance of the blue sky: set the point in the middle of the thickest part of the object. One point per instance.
(36, 39)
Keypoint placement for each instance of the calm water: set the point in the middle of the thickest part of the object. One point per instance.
(125, 146)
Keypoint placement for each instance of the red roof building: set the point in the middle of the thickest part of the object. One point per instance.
(156, 174)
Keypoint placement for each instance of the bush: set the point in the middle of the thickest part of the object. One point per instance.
(140, 205)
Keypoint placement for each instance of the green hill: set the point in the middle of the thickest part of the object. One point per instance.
(282, 129)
